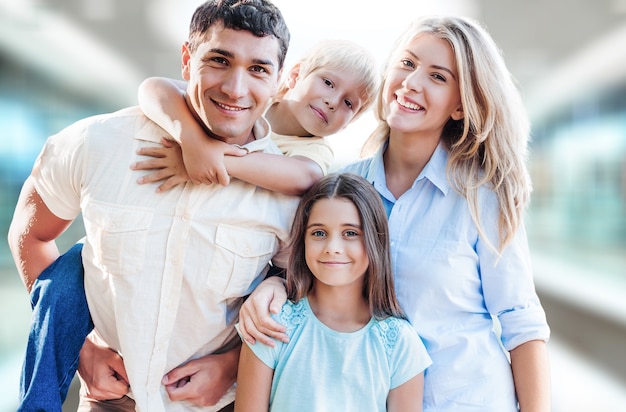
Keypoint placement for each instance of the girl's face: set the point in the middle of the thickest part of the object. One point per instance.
(324, 101)
(421, 91)
(334, 243)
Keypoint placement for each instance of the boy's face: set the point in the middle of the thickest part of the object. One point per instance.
(232, 76)
(324, 101)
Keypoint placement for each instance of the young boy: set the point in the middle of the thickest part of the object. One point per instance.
(325, 91)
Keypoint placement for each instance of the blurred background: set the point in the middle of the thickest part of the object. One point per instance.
(63, 60)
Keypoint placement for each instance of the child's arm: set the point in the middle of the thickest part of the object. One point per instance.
(283, 174)
(254, 383)
(162, 100)
(407, 397)
(209, 160)
(529, 362)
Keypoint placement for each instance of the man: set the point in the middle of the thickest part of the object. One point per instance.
(165, 273)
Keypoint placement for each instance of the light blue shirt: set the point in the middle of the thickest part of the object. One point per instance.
(450, 284)
(322, 370)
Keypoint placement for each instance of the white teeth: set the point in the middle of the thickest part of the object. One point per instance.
(225, 107)
(409, 105)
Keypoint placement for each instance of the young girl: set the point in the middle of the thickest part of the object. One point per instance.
(449, 164)
(350, 348)
(326, 90)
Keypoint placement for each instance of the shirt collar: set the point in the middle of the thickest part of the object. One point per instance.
(434, 171)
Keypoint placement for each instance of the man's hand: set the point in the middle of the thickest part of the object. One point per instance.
(255, 321)
(102, 372)
(205, 380)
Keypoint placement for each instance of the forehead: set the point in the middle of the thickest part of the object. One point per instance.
(240, 44)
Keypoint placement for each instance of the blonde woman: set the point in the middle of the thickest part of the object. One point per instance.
(449, 163)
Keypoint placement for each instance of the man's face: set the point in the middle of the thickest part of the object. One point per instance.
(232, 76)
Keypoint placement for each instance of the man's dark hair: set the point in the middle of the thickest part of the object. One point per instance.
(259, 17)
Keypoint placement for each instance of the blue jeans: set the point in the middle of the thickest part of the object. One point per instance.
(60, 323)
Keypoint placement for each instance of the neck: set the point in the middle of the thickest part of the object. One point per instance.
(340, 310)
(405, 158)
(283, 121)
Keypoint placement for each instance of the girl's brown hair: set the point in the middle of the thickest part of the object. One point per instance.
(378, 288)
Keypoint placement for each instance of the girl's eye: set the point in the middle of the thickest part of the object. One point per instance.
(350, 233)
(318, 233)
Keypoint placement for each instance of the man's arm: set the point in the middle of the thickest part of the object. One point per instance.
(33, 233)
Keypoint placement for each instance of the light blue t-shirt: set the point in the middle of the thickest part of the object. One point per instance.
(324, 370)
(451, 284)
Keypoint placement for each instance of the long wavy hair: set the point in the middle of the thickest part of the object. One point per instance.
(378, 287)
(489, 146)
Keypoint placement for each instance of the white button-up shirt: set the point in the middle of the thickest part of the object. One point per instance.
(451, 284)
(165, 273)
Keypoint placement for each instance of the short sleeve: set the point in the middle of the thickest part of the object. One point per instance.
(58, 171)
(314, 148)
(266, 354)
(409, 357)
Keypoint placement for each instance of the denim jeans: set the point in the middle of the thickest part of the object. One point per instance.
(59, 325)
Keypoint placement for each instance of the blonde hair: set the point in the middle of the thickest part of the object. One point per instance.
(342, 56)
(489, 146)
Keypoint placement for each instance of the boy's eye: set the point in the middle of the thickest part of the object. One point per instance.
(348, 103)
(328, 82)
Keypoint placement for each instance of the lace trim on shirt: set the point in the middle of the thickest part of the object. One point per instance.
(293, 314)
(388, 331)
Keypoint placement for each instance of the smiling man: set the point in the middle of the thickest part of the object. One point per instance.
(164, 273)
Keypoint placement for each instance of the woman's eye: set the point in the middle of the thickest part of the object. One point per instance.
(407, 63)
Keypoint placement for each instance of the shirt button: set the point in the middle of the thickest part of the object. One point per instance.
(185, 217)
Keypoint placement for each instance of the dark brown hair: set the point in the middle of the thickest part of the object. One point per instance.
(259, 17)
(378, 287)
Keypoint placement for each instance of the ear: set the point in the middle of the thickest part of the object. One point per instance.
(458, 114)
(186, 58)
(292, 77)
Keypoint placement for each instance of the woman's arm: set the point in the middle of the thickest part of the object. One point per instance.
(531, 374)
(254, 383)
(407, 397)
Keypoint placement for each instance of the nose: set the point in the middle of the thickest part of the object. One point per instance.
(234, 84)
(331, 102)
(413, 81)
(334, 245)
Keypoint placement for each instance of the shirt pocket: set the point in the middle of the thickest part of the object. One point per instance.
(119, 235)
(240, 256)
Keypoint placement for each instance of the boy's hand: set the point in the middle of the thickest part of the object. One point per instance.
(204, 160)
(167, 161)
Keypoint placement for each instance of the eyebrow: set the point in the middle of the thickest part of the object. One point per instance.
(231, 55)
(445, 69)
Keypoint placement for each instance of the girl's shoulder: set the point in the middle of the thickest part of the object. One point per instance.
(293, 314)
(393, 331)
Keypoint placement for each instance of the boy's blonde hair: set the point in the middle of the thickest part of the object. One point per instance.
(342, 56)
(489, 145)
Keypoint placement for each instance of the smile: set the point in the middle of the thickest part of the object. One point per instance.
(408, 105)
(229, 108)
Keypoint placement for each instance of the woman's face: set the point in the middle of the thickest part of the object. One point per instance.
(421, 91)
